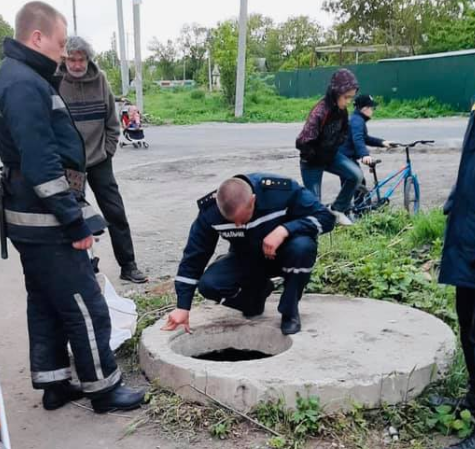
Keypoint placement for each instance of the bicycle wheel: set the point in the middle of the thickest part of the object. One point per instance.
(411, 195)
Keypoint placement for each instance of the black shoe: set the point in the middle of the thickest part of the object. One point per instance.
(465, 403)
(133, 274)
(468, 443)
(290, 324)
(259, 304)
(120, 398)
(59, 394)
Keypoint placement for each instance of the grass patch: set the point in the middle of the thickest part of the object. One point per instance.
(185, 107)
(387, 255)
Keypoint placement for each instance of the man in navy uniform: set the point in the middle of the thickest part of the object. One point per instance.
(272, 224)
(49, 222)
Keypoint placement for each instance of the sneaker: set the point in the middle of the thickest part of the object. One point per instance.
(133, 274)
(341, 218)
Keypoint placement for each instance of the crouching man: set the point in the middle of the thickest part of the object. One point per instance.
(272, 225)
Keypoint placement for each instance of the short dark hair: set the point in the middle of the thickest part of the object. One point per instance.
(36, 16)
(233, 194)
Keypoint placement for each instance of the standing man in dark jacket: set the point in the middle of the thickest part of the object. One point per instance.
(458, 264)
(50, 224)
(90, 100)
(272, 224)
(324, 131)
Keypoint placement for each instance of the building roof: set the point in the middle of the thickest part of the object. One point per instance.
(447, 54)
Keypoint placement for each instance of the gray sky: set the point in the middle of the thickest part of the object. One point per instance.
(164, 19)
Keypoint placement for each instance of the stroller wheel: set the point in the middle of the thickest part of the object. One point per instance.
(145, 145)
(136, 145)
(140, 144)
(121, 144)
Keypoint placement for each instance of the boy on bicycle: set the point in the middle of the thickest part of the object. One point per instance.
(355, 147)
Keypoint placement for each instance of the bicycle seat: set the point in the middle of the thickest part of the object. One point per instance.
(375, 162)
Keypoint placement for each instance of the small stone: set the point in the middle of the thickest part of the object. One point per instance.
(393, 431)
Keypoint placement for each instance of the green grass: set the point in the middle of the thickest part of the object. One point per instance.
(184, 107)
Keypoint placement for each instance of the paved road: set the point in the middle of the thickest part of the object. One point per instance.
(160, 187)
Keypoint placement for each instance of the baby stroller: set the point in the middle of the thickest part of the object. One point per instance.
(132, 134)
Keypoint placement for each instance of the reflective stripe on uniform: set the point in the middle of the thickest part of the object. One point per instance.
(297, 270)
(45, 377)
(185, 280)
(53, 187)
(41, 220)
(91, 336)
(316, 223)
(99, 385)
(58, 102)
(251, 224)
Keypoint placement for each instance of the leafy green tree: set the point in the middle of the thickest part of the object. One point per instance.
(453, 35)
(193, 43)
(166, 56)
(5, 31)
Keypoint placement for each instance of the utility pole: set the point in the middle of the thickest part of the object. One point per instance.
(124, 66)
(210, 73)
(138, 56)
(241, 68)
(75, 18)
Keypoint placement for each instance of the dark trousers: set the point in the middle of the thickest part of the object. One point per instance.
(236, 276)
(65, 304)
(103, 184)
(465, 304)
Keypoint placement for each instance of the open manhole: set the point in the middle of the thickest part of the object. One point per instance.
(232, 343)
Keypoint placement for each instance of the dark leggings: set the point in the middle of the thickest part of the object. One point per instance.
(465, 303)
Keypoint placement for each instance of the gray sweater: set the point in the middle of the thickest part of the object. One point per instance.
(91, 103)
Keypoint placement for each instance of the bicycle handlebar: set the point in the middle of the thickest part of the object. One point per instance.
(413, 144)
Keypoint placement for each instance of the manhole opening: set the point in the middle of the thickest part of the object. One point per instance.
(232, 355)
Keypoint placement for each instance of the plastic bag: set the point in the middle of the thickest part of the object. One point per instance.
(123, 313)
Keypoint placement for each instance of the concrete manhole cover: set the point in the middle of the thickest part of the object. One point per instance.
(349, 350)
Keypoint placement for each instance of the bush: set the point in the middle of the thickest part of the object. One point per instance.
(198, 94)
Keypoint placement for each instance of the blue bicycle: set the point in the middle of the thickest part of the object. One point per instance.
(367, 200)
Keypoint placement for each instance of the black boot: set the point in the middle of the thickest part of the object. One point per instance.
(131, 273)
(468, 443)
(120, 398)
(290, 324)
(258, 305)
(59, 394)
(465, 403)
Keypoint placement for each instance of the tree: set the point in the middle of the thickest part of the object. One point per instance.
(193, 43)
(391, 22)
(299, 38)
(453, 35)
(166, 57)
(5, 31)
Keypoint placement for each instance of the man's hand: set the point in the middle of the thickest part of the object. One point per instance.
(273, 241)
(177, 318)
(84, 244)
(388, 144)
(367, 160)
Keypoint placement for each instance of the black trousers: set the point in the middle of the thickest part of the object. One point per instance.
(236, 276)
(65, 305)
(102, 181)
(465, 304)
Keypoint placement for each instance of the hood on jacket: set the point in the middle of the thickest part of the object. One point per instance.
(341, 82)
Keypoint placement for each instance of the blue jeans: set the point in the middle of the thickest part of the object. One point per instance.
(349, 172)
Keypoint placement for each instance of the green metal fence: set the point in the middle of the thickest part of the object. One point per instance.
(449, 78)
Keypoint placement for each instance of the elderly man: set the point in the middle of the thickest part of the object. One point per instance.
(91, 103)
(49, 222)
(272, 224)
